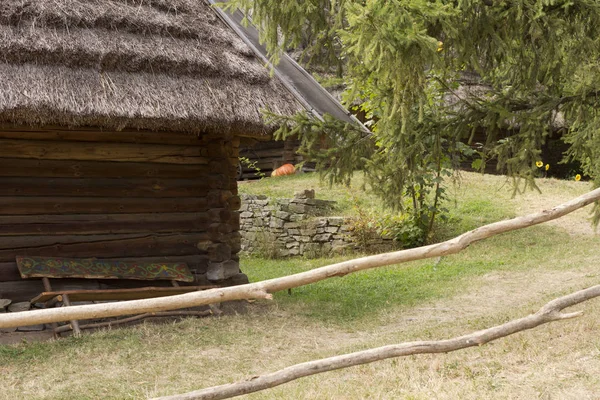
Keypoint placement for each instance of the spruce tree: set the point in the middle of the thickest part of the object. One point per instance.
(536, 64)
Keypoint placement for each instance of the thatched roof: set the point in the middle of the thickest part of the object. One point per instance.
(146, 64)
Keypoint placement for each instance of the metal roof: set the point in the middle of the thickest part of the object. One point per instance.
(314, 97)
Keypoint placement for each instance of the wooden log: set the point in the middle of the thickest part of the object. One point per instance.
(119, 152)
(222, 166)
(105, 246)
(100, 205)
(217, 149)
(551, 311)
(219, 228)
(234, 203)
(220, 214)
(219, 252)
(96, 135)
(264, 289)
(58, 224)
(128, 320)
(146, 292)
(218, 198)
(74, 323)
(108, 187)
(234, 221)
(22, 167)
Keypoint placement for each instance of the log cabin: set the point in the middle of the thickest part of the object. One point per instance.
(120, 128)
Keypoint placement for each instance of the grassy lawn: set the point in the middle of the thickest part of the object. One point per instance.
(489, 283)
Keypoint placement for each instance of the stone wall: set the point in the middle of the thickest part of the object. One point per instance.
(297, 227)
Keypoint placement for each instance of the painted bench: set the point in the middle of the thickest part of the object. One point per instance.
(48, 268)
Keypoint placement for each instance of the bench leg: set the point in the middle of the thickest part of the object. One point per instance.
(51, 303)
(74, 323)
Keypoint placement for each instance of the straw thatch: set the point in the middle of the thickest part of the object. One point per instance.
(146, 64)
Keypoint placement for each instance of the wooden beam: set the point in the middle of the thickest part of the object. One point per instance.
(23, 167)
(101, 205)
(107, 246)
(119, 294)
(551, 311)
(264, 289)
(197, 263)
(98, 135)
(110, 187)
(119, 152)
(58, 224)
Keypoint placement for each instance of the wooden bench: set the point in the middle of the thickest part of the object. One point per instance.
(48, 268)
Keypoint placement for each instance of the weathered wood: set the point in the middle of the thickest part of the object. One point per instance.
(551, 311)
(46, 283)
(96, 135)
(265, 288)
(118, 294)
(93, 268)
(222, 166)
(220, 214)
(197, 263)
(218, 198)
(219, 252)
(66, 328)
(119, 152)
(27, 205)
(108, 187)
(234, 203)
(108, 246)
(9, 271)
(74, 323)
(58, 224)
(21, 290)
(21, 167)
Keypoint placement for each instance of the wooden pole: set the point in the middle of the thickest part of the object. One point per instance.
(549, 312)
(263, 289)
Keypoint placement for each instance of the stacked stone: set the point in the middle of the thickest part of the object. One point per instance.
(292, 227)
(7, 305)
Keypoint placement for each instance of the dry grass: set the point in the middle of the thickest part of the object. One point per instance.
(517, 274)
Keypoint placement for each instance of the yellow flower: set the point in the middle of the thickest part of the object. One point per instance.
(578, 177)
(440, 46)
(547, 167)
(539, 164)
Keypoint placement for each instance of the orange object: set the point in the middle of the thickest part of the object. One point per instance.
(285, 169)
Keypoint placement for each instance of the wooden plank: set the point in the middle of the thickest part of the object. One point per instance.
(105, 246)
(96, 169)
(111, 187)
(93, 268)
(19, 225)
(196, 263)
(120, 152)
(119, 294)
(97, 135)
(101, 205)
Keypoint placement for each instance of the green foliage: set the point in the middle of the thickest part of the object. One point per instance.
(536, 65)
(405, 230)
(248, 163)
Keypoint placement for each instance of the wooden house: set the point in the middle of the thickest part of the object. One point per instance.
(120, 124)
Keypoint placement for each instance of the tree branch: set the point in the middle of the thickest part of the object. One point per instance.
(262, 290)
(548, 313)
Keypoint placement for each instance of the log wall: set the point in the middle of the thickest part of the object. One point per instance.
(114, 195)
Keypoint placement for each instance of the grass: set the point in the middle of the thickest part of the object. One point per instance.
(349, 199)
(489, 283)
